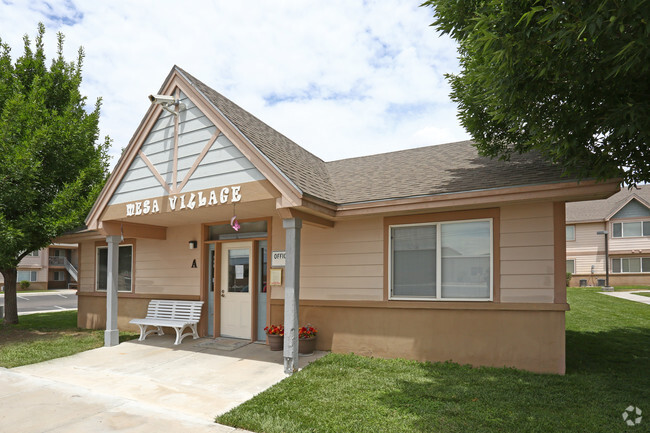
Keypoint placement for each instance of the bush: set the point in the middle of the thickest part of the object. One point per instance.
(24, 285)
(568, 278)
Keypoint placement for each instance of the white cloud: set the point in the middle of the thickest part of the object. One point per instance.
(341, 78)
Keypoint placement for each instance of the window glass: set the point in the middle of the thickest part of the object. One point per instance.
(631, 229)
(25, 276)
(616, 265)
(414, 261)
(124, 268)
(59, 276)
(618, 230)
(238, 264)
(247, 230)
(570, 233)
(646, 228)
(465, 252)
(645, 267)
(635, 264)
(625, 265)
(571, 266)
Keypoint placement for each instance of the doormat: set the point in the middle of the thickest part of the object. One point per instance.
(223, 343)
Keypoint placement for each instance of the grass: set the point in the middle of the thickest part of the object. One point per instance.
(643, 294)
(45, 336)
(630, 288)
(608, 356)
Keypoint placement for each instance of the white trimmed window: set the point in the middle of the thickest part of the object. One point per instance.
(571, 265)
(632, 229)
(33, 254)
(124, 269)
(631, 265)
(59, 276)
(26, 276)
(570, 233)
(441, 261)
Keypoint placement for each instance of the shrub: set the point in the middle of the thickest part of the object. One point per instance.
(24, 285)
(568, 278)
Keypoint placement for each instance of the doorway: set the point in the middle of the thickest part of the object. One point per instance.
(235, 289)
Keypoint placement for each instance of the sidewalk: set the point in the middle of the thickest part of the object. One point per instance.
(150, 386)
(49, 292)
(630, 296)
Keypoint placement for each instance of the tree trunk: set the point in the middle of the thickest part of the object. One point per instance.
(11, 305)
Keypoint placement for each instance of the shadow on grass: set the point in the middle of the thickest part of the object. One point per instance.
(606, 372)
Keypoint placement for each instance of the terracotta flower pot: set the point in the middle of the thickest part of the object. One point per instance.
(306, 346)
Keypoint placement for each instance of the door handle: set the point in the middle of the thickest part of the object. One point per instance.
(223, 294)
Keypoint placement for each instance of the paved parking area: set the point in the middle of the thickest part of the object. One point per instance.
(148, 386)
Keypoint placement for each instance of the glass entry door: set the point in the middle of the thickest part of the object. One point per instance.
(211, 265)
(236, 289)
(261, 290)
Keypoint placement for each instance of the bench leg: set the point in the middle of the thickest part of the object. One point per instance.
(144, 333)
(180, 336)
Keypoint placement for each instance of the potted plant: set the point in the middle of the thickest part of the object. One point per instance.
(307, 340)
(275, 336)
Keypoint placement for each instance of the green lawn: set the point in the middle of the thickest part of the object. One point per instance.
(630, 288)
(608, 357)
(643, 294)
(40, 337)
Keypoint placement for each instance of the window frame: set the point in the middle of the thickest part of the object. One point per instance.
(574, 265)
(621, 271)
(574, 233)
(438, 296)
(642, 223)
(55, 273)
(32, 274)
(105, 246)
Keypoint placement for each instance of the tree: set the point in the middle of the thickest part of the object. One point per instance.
(52, 166)
(566, 78)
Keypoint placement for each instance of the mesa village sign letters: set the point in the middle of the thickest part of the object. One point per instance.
(186, 201)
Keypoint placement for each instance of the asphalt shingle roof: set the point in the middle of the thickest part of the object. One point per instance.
(598, 210)
(440, 169)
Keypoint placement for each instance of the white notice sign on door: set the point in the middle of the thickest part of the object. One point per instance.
(239, 272)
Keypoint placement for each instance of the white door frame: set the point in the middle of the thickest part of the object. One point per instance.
(236, 307)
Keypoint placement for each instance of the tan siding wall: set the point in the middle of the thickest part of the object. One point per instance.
(165, 267)
(527, 254)
(87, 266)
(586, 239)
(343, 263)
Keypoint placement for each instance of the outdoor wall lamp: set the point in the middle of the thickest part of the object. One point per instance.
(193, 245)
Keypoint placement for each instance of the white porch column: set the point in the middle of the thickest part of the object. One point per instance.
(112, 335)
(291, 293)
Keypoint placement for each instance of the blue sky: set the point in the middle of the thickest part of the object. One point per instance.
(341, 78)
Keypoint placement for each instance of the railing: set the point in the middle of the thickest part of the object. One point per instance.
(62, 261)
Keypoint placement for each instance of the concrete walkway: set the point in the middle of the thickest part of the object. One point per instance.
(148, 386)
(630, 296)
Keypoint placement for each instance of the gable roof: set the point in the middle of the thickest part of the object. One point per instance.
(305, 170)
(439, 169)
(415, 174)
(603, 210)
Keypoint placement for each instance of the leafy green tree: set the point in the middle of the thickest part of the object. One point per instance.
(52, 165)
(569, 79)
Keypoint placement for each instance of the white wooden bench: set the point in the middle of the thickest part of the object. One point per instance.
(172, 314)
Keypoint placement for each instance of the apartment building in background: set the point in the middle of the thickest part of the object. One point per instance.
(625, 217)
(54, 267)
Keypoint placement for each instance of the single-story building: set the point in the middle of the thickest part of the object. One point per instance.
(432, 253)
(623, 221)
